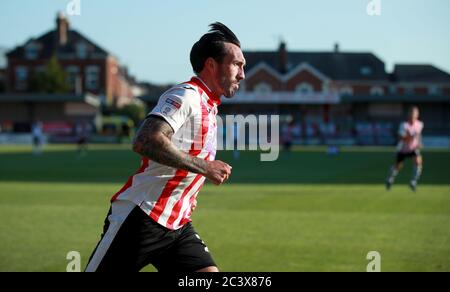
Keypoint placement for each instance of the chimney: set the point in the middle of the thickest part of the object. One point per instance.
(336, 48)
(62, 29)
(283, 57)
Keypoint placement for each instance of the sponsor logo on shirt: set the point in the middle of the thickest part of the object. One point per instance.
(176, 104)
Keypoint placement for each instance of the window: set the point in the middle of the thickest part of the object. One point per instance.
(31, 51)
(409, 89)
(92, 77)
(72, 74)
(377, 90)
(366, 71)
(82, 50)
(434, 90)
(21, 77)
(263, 88)
(304, 88)
(346, 90)
(392, 89)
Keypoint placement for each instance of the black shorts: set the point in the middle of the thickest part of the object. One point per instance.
(401, 156)
(36, 141)
(81, 140)
(140, 241)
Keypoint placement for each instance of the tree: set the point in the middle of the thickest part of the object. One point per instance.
(52, 80)
(135, 111)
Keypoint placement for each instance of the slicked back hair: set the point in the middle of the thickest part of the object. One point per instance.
(212, 45)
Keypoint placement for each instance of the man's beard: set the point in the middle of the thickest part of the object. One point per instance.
(228, 87)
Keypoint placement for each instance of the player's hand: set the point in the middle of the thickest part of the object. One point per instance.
(194, 205)
(218, 172)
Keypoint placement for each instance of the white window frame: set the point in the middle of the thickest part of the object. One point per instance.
(304, 88)
(263, 88)
(346, 90)
(377, 90)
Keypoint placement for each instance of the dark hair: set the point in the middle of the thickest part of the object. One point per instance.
(211, 45)
(412, 108)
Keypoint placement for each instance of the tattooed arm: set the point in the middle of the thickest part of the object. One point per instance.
(153, 140)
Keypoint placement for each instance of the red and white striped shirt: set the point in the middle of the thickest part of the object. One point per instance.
(167, 194)
(412, 130)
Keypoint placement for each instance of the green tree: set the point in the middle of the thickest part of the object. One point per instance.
(52, 80)
(135, 111)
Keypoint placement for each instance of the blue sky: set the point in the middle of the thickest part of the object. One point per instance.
(153, 38)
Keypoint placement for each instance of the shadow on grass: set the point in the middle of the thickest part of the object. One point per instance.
(310, 167)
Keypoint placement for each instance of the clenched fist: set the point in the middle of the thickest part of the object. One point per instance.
(218, 172)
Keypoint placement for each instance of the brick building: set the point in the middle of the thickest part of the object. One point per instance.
(94, 77)
(89, 68)
(341, 95)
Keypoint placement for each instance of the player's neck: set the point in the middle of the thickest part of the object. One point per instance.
(209, 82)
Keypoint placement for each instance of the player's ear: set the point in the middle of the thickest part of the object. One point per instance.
(211, 64)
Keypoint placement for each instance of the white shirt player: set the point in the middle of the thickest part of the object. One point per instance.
(412, 130)
(167, 194)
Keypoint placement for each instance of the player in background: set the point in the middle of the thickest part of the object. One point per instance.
(410, 142)
(37, 137)
(82, 133)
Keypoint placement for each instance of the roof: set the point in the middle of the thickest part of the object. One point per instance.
(419, 73)
(335, 65)
(50, 46)
(394, 98)
(49, 97)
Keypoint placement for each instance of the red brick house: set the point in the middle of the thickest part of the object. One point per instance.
(348, 92)
(89, 68)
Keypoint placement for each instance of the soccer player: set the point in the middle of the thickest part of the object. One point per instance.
(410, 135)
(81, 131)
(149, 221)
(38, 138)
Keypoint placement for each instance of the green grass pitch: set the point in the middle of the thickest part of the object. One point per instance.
(307, 211)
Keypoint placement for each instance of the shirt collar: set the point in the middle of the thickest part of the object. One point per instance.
(212, 96)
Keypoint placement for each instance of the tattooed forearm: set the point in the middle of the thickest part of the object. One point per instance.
(153, 140)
